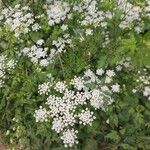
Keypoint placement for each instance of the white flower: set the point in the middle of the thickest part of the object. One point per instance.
(134, 90)
(118, 68)
(8, 132)
(60, 87)
(110, 73)
(91, 14)
(1, 83)
(58, 125)
(115, 87)
(96, 103)
(138, 29)
(95, 94)
(100, 72)
(78, 83)
(11, 64)
(104, 24)
(19, 20)
(63, 106)
(2, 73)
(108, 79)
(44, 62)
(146, 91)
(98, 96)
(57, 12)
(126, 64)
(104, 88)
(25, 50)
(130, 13)
(88, 73)
(60, 44)
(44, 88)
(88, 32)
(6, 66)
(1, 18)
(41, 115)
(50, 76)
(86, 117)
(40, 42)
(64, 27)
(38, 54)
(107, 121)
(69, 137)
(35, 27)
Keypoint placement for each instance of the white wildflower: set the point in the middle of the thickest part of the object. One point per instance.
(40, 42)
(88, 32)
(110, 73)
(38, 54)
(57, 12)
(86, 117)
(78, 83)
(108, 79)
(20, 20)
(146, 91)
(96, 103)
(119, 68)
(64, 27)
(134, 91)
(69, 137)
(115, 87)
(100, 72)
(44, 88)
(41, 114)
(60, 87)
(6, 67)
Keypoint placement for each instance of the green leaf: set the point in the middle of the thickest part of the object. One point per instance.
(102, 62)
(113, 136)
(114, 119)
(127, 147)
(91, 144)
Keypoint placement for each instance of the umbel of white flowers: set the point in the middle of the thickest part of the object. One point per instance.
(6, 66)
(72, 106)
(20, 20)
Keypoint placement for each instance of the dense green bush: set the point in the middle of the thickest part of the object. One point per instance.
(83, 63)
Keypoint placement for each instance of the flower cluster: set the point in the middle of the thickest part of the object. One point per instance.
(44, 88)
(43, 56)
(57, 12)
(60, 86)
(72, 103)
(78, 83)
(38, 54)
(146, 92)
(115, 87)
(20, 20)
(147, 8)
(86, 117)
(143, 83)
(60, 44)
(41, 114)
(69, 137)
(91, 15)
(90, 75)
(131, 13)
(124, 63)
(97, 99)
(67, 108)
(6, 67)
